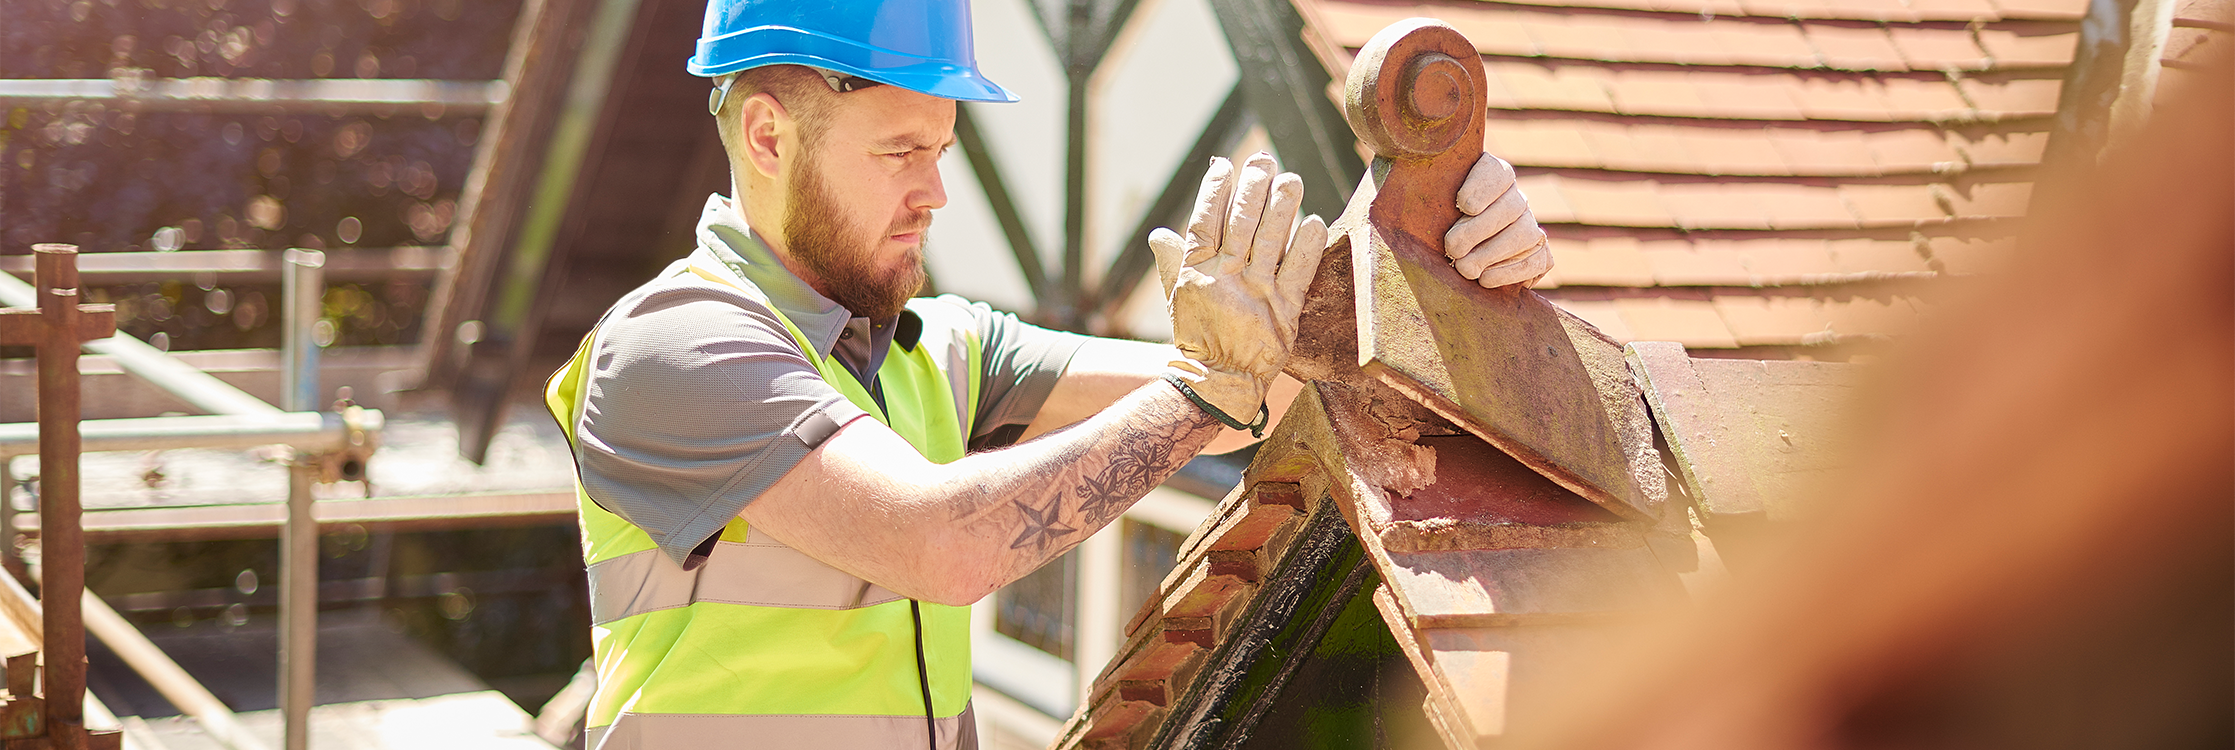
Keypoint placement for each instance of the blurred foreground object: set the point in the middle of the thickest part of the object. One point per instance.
(2032, 547)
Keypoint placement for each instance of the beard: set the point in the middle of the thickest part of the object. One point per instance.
(843, 255)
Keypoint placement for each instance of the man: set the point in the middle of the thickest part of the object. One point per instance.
(767, 566)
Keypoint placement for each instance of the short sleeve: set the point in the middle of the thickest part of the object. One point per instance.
(696, 402)
(1021, 364)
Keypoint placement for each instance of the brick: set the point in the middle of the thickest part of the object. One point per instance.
(1161, 659)
(1256, 523)
(1118, 720)
(1202, 595)
(1280, 493)
(1151, 692)
(1241, 564)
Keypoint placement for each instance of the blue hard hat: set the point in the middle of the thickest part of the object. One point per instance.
(919, 45)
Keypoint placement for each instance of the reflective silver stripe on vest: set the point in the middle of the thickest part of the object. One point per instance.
(759, 571)
(668, 731)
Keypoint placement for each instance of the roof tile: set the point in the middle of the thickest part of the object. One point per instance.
(2032, 44)
(1601, 314)
(1756, 42)
(1863, 256)
(1912, 149)
(1836, 97)
(1854, 46)
(1787, 261)
(1747, 95)
(1605, 261)
(1631, 203)
(2001, 148)
(1882, 205)
(1787, 206)
(1547, 201)
(2012, 94)
(1920, 97)
(1971, 255)
(1770, 321)
(1692, 323)
(2188, 44)
(1994, 199)
(1956, 9)
(1825, 151)
(2191, 11)
(2070, 10)
(1937, 48)
(1536, 86)
(1708, 205)
(1741, 150)
(1655, 92)
(1863, 316)
(1542, 143)
(1681, 263)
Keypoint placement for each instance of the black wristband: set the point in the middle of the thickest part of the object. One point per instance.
(1264, 413)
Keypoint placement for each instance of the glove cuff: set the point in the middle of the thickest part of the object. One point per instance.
(1237, 399)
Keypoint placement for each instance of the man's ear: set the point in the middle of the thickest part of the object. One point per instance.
(764, 125)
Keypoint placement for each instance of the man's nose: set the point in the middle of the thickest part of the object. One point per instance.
(931, 193)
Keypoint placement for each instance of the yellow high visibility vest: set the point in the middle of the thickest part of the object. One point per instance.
(762, 645)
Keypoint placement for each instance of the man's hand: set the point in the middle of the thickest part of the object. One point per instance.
(1236, 281)
(1497, 242)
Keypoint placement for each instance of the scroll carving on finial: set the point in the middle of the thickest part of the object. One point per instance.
(1416, 96)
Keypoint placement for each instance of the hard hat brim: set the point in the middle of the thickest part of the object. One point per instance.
(926, 76)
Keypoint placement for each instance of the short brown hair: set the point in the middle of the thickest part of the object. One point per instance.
(800, 89)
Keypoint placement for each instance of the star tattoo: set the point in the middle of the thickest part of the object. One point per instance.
(1040, 526)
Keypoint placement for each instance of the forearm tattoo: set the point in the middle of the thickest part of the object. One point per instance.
(1101, 473)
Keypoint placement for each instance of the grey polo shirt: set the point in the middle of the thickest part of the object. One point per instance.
(697, 399)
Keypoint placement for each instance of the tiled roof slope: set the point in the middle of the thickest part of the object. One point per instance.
(1762, 175)
(2199, 26)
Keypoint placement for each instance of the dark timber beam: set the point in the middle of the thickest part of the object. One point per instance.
(1286, 87)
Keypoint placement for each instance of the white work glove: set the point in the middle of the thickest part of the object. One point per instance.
(1497, 242)
(1235, 283)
